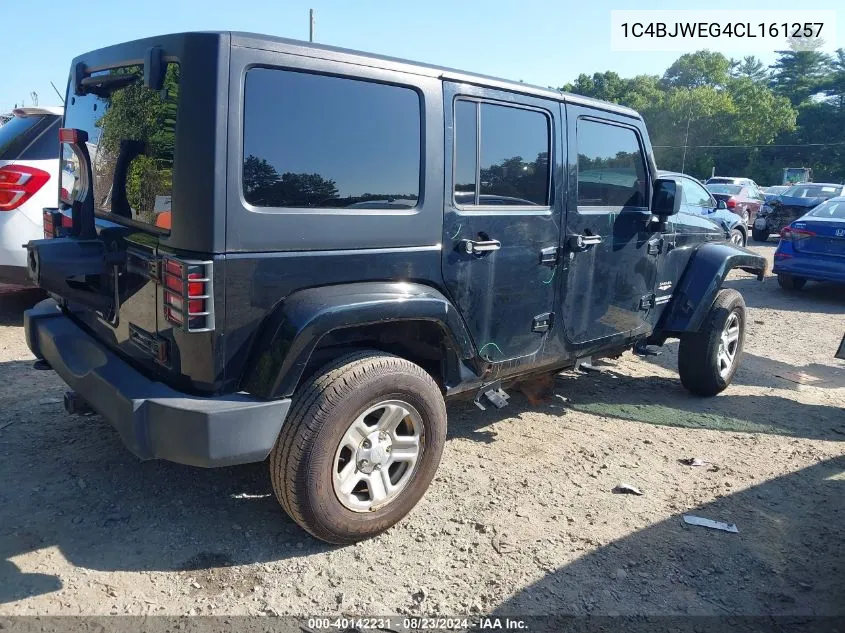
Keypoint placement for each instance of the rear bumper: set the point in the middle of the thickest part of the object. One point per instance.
(153, 420)
(816, 268)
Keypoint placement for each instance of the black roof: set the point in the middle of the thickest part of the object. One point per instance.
(98, 60)
(285, 45)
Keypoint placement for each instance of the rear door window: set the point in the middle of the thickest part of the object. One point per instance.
(317, 141)
(611, 166)
(507, 164)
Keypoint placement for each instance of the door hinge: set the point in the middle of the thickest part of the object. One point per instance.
(543, 322)
(647, 302)
(550, 255)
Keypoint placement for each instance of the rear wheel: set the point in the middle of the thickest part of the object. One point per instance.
(708, 359)
(737, 237)
(361, 444)
(790, 282)
(760, 235)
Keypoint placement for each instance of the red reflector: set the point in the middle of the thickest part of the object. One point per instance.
(68, 135)
(195, 288)
(782, 256)
(18, 183)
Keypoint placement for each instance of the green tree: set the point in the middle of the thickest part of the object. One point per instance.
(800, 72)
(750, 67)
(701, 68)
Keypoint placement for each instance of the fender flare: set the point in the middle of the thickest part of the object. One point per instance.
(294, 329)
(702, 278)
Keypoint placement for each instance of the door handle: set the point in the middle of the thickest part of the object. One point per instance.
(584, 242)
(472, 247)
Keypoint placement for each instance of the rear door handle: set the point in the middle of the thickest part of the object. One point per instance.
(479, 248)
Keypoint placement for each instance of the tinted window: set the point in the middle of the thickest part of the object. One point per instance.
(46, 146)
(729, 190)
(466, 146)
(611, 168)
(510, 164)
(696, 195)
(318, 141)
(127, 122)
(17, 134)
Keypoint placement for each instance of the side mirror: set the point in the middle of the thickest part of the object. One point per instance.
(666, 197)
(720, 205)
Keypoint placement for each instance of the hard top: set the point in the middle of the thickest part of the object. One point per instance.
(322, 51)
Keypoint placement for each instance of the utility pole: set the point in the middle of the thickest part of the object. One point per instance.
(686, 137)
(310, 25)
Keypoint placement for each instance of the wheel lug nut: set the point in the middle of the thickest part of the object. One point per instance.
(367, 444)
(382, 436)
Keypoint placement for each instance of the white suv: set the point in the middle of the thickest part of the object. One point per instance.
(29, 171)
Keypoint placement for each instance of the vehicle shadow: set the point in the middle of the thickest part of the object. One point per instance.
(69, 483)
(789, 533)
(14, 300)
(608, 393)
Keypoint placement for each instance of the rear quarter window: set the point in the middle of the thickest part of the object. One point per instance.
(17, 136)
(318, 141)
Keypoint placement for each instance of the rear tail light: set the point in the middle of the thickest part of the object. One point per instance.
(791, 233)
(18, 183)
(188, 294)
(730, 203)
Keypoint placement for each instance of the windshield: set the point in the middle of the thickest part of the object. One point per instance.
(726, 189)
(833, 209)
(812, 191)
(129, 124)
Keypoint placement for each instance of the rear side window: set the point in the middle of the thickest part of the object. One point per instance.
(507, 163)
(315, 141)
(46, 146)
(611, 166)
(19, 133)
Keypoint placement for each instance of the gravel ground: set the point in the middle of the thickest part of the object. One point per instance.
(520, 519)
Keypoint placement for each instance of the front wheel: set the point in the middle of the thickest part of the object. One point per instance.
(737, 237)
(360, 446)
(709, 358)
(760, 235)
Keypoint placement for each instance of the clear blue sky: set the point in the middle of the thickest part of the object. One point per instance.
(545, 42)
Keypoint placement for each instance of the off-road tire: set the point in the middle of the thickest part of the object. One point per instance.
(303, 459)
(790, 282)
(759, 236)
(697, 353)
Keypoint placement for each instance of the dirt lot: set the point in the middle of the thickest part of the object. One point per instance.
(520, 518)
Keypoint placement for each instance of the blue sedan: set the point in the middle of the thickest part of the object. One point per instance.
(813, 247)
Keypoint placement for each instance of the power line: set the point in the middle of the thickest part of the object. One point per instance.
(762, 145)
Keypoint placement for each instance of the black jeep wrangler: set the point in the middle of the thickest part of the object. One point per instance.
(281, 249)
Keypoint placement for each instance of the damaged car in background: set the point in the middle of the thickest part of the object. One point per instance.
(791, 205)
